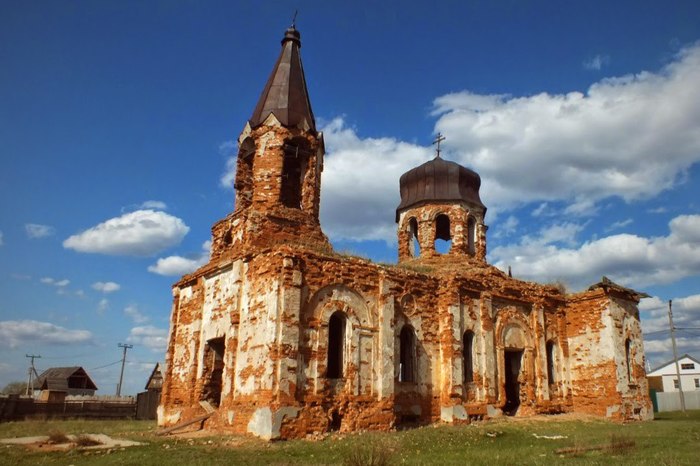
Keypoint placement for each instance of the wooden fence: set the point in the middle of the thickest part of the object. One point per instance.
(147, 404)
(15, 408)
(671, 401)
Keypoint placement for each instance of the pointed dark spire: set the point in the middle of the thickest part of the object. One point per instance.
(285, 93)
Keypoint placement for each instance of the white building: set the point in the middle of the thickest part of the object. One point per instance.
(665, 378)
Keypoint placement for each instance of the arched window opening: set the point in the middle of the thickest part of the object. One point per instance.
(243, 182)
(471, 235)
(443, 237)
(296, 155)
(213, 370)
(414, 245)
(550, 362)
(336, 422)
(468, 355)
(228, 237)
(628, 359)
(407, 354)
(336, 339)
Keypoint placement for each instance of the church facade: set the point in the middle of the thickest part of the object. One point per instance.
(285, 338)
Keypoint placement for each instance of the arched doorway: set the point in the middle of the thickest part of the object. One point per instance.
(513, 362)
(514, 344)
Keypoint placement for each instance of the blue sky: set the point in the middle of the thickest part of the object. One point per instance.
(118, 121)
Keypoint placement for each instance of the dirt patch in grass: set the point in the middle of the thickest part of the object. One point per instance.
(58, 441)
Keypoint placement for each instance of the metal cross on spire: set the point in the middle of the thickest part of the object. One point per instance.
(438, 139)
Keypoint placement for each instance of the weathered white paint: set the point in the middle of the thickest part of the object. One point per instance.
(266, 424)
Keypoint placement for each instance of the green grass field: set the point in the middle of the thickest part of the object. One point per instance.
(672, 438)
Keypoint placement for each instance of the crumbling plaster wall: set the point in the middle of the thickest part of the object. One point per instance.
(260, 220)
(425, 215)
(273, 309)
(597, 325)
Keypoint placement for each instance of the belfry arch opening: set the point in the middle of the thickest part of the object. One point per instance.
(407, 354)
(443, 236)
(471, 235)
(294, 165)
(336, 343)
(243, 183)
(413, 244)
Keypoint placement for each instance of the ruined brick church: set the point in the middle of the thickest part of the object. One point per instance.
(285, 338)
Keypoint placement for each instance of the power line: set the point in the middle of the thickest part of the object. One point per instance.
(107, 365)
(69, 357)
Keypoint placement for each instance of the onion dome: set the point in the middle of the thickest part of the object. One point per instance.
(439, 181)
(285, 93)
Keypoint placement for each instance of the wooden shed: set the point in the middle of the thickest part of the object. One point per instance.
(57, 382)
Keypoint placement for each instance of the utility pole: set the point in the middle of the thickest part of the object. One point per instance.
(675, 356)
(121, 376)
(31, 374)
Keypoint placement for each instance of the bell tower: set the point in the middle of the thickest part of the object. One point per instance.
(440, 201)
(279, 165)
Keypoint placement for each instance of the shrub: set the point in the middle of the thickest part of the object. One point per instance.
(56, 436)
(374, 454)
(620, 444)
(84, 440)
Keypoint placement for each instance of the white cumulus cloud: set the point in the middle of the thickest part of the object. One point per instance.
(179, 265)
(632, 260)
(620, 224)
(361, 182)
(597, 62)
(158, 205)
(52, 281)
(35, 230)
(102, 306)
(106, 287)
(133, 312)
(16, 332)
(630, 137)
(138, 233)
(228, 149)
(149, 336)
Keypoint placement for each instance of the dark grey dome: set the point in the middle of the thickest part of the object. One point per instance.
(439, 180)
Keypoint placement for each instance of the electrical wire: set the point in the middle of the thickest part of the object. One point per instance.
(106, 365)
(68, 357)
